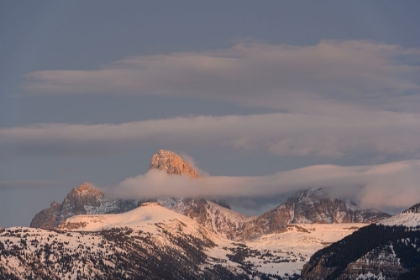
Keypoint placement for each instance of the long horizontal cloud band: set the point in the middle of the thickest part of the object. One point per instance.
(337, 135)
(386, 185)
(279, 76)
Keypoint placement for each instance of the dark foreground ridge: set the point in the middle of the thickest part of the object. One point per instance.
(390, 251)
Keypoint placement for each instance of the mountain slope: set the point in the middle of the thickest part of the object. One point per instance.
(388, 250)
(154, 242)
(149, 242)
(408, 218)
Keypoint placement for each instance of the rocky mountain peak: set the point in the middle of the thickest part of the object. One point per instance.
(313, 193)
(84, 187)
(172, 164)
(413, 209)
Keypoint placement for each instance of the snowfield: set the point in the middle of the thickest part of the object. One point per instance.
(407, 219)
(280, 253)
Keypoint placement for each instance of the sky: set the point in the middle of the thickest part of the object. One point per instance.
(265, 98)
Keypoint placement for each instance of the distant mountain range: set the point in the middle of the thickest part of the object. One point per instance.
(153, 242)
(311, 206)
(310, 236)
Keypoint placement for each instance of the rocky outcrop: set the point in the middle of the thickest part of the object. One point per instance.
(84, 199)
(381, 261)
(172, 164)
(218, 218)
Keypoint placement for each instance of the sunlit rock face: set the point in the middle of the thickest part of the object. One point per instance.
(172, 164)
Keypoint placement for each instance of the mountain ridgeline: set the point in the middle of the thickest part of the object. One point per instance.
(309, 236)
(387, 250)
(311, 206)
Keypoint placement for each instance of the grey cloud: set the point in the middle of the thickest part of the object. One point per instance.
(378, 134)
(306, 78)
(387, 185)
(26, 184)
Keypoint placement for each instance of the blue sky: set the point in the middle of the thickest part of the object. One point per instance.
(91, 90)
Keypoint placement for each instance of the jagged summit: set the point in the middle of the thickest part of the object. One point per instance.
(413, 209)
(314, 193)
(84, 187)
(407, 218)
(172, 164)
(83, 199)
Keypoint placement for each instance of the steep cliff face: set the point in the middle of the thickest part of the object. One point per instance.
(81, 200)
(220, 219)
(47, 218)
(172, 164)
(389, 250)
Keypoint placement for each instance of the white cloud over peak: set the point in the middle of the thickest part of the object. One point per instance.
(381, 186)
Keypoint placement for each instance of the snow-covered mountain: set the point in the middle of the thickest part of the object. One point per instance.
(310, 206)
(153, 242)
(389, 249)
(81, 200)
(407, 218)
(307, 207)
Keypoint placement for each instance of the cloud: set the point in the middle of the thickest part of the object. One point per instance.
(192, 163)
(376, 134)
(26, 184)
(386, 185)
(326, 76)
